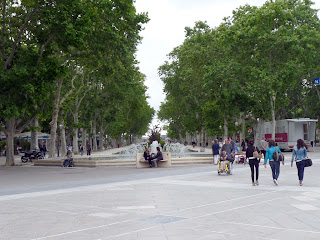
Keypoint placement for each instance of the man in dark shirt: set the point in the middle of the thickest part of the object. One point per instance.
(157, 157)
(215, 151)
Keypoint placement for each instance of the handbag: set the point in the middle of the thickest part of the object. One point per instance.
(308, 162)
(256, 154)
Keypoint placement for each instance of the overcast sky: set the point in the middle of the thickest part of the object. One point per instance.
(165, 31)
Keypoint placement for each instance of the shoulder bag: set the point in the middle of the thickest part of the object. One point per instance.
(308, 162)
(256, 154)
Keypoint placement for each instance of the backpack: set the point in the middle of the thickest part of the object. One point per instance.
(276, 156)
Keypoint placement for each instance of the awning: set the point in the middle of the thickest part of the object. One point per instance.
(302, 120)
(27, 135)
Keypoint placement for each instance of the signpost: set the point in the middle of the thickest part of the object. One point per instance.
(316, 81)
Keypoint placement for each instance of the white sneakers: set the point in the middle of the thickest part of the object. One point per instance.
(255, 183)
(275, 182)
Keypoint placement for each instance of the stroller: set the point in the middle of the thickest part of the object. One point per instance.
(228, 169)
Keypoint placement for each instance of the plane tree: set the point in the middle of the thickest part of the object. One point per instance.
(29, 62)
(43, 45)
(271, 43)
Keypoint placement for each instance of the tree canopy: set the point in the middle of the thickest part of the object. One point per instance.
(260, 62)
(73, 57)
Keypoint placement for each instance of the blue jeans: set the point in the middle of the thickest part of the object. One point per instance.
(67, 161)
(300, 167)
(275, 167)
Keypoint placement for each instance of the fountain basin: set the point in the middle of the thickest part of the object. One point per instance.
(109, 161)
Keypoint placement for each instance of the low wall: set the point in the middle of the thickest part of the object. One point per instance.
(100, 161)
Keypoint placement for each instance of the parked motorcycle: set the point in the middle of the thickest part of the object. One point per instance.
(28, 156)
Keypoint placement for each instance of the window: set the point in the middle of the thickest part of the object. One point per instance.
(305, 131)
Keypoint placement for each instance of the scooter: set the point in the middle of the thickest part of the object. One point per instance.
(28, 156)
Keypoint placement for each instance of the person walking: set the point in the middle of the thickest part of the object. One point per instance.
(299, 154)
(275, 166)
(253, 162)
(215, 151)
(81, 149)
(243, 145)
(44, 150)
(264, 146)
(88, 149)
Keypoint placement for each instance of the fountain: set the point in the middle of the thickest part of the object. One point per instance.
(180, 154)
(153, 147)
(132, 150)
(176, 149)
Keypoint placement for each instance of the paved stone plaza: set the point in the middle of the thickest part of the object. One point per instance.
(180, 203)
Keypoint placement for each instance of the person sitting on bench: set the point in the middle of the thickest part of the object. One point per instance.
(68, 162)
(147, 157)
(157, 157)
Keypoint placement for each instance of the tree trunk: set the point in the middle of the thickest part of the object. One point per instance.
(54, 121)
(90, 138)
(94, 133)
(225, 127)
(243, 127)
(84, 140)
(9, 131)
(101, 138)
(75, 140)
(75, 133)
(257, 135)
(34, 135)
(63, 138)
(204, 138)
(273, 115)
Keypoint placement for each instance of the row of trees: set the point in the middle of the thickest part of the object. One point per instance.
(71, 63)
(260, 63)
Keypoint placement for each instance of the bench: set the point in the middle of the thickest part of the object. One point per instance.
(166, 162)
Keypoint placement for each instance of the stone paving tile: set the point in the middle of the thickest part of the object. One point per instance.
(197, 204)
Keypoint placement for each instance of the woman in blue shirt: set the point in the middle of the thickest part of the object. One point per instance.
(299, 154)
(275, 166)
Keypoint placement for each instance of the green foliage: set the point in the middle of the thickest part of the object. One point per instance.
(162, 143)
(91, 46)
(2, 144)
(259, 60)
